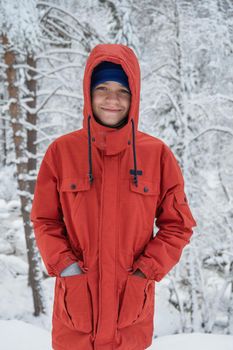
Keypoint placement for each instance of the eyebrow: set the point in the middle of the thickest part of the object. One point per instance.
(107, 82)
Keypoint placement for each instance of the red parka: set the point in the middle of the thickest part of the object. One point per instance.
(97, 195)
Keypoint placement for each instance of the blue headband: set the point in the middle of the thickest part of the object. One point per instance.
(106, 71)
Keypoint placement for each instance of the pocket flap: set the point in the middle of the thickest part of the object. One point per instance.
(74, 184)
(145, 187)
(181, 197)
(184, 209)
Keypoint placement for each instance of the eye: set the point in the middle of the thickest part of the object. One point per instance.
(126, 92)
(101, 88)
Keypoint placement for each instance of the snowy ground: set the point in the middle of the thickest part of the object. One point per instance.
(23, 332)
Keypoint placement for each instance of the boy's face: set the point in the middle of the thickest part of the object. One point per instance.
(110, 102)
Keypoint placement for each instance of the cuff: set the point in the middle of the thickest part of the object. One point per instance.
(146, 269)
(61, 265)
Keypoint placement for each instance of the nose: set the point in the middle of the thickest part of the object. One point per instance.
(112, 95)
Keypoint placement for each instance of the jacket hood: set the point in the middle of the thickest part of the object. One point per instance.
(120, 54)
(112, 140)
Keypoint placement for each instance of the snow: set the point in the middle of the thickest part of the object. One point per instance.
(26, 334)
(193, 341)
(16, 334)
(185, 53)
(20, 22)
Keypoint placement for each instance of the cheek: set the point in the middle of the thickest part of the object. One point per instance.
(127, 104)
(95, 102)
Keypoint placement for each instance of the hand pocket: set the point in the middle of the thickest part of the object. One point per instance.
(137, 302)
(73, 305)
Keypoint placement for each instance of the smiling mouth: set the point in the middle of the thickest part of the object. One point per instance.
(111, 110)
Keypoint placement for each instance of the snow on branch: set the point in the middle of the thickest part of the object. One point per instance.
(47, 53)
(46, 74)
(216, 128)
(36, 110)
(85, 30)
(69, 114)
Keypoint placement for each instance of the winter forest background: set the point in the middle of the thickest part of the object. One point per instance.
(185, 49)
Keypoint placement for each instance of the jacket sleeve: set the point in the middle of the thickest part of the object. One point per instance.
(174, 222)
(47, 218)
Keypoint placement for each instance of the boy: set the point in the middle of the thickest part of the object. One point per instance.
(97, 194)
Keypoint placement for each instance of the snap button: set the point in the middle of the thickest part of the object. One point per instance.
(93, 139)
(72, 186)
(129, 142)
(146, 189)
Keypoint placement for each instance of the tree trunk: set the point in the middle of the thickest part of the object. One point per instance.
(26, 169)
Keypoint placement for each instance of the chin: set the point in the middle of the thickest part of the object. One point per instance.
(110, 121)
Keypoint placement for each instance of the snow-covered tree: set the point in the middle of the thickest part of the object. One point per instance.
(20, 34)
(185, 49)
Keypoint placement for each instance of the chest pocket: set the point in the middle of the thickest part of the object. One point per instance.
(73, 190)
(143, 200)
(147, 188)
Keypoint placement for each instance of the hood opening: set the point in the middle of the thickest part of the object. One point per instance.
(117, 138)
(109, 72)
(88, 88)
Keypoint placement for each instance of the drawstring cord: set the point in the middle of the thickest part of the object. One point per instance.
(135, 175)
(90, 175)
(135, 172)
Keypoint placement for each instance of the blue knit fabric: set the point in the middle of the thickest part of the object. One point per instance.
(109, 71)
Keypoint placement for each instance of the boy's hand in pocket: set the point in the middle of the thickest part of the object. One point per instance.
(71, 270)
(139, 273)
